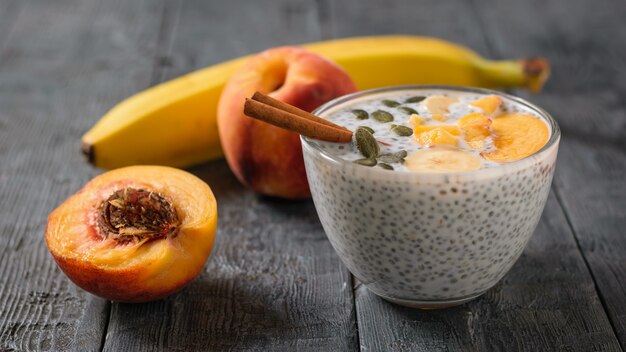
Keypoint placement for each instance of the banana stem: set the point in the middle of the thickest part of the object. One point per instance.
(531, 73)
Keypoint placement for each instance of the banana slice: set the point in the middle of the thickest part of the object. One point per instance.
(442, 160)
(438, 104)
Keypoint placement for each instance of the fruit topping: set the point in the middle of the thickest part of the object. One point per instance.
(516, 136)
(438, 104)
(475, 128)
(489, 104)
(437, 136)
(442, 160)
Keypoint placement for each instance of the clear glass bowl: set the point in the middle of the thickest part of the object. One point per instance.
(429, 240)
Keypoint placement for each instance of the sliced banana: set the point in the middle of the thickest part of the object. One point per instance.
(438, 104)
(438, 160)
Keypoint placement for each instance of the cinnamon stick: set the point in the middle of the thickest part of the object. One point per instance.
(305, 126)
(266, 99)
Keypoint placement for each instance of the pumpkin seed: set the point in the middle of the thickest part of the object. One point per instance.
(366, 162)
(389, 159)
(415, 99)
(407, 110)
(385, 166)
(382, 116)
(401, 154)
(366, 143)
(368, 129)
(390, 103)
(401, 130)
(360, 114)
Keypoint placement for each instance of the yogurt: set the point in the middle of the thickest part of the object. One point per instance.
(423, 239)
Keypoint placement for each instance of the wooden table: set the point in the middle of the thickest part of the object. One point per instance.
(273, 281)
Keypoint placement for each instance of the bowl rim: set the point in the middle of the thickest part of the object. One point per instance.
(555, 132)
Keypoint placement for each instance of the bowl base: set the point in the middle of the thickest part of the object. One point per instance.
(428, 304)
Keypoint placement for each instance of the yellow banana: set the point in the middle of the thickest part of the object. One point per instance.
(175, 123)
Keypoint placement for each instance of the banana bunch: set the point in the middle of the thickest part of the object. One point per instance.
(175, 123)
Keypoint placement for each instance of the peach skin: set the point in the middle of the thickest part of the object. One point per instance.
(266, 158)
(134, 234)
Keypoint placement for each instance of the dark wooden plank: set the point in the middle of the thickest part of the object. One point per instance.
(62, 66)
(546, 302)
(586, 97)
(272, 282)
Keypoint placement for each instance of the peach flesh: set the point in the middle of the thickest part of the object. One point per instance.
(150, 265)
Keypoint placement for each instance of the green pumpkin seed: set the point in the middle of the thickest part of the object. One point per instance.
(366, 162)
(389, 159)
(401, 154)
(390, 103)
(368, 129)
(366, 143)
(382, 116)
(416, 99)
(407, 110)
(385, 166)
(360, 114)
(401, 130)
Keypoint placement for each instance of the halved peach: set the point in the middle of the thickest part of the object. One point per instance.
(516, 137)
(134, 234)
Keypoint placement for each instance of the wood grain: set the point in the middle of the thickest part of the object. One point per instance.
(546, 302)
(63, 65)
(272, 282)
(585, 95)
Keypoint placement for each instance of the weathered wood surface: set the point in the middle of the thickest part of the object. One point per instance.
(586, 95)
(273, 282)
(546, 302)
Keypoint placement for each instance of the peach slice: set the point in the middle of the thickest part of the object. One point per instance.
(437, 136)
(134, 234)
(488, 104)
(439, 117)
(415, 120)
(438, 104)
(475, 127)
(452, 129)
(517, 136)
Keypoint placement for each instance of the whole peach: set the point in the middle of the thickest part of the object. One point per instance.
(266, 158)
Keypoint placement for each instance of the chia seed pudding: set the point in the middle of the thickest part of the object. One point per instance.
(431, 232)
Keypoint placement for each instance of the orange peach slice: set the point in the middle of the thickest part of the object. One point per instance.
(488, 104)
(437, 136)
(517, 136)
(415, 120)
(438, 104)
(475, 129)
(452, 129)
(134, 234)
(439, 117)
